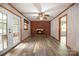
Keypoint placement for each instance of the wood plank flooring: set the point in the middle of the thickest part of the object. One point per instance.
(40, 45)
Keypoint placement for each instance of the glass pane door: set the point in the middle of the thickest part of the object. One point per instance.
(16, 32)
(1, 44)
(4, 36)
(3, 31)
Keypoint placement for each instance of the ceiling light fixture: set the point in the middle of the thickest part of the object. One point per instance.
(41, 18)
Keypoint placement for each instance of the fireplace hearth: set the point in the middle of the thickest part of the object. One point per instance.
(40, 31)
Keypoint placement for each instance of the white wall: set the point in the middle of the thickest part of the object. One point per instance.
(54, 28)
(26, 33)
(72, 28)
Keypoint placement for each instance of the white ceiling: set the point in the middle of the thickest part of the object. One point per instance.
(31, 10)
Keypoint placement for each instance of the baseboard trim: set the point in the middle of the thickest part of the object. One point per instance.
(59, 41)
(66, 44)
(72, 49)
(13, 47)
(55, 38)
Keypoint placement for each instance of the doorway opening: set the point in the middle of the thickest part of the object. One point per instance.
(63, 30)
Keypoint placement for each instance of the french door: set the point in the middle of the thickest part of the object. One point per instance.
(9, 30)
(16, 30)
(3, 31)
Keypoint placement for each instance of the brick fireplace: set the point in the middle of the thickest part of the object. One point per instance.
(40, 27)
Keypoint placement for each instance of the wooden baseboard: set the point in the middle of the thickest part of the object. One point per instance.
(13, 47)
(66, 44)
(72, 49)
(55, 38)
(59, 41)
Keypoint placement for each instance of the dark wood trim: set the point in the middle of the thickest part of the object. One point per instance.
(50, 27)
(55, 38)
(72, 48)
(13, 47)
(60, 27)
(16, 9)
(9, 10)
(21, 29)
(66, 28)
(64, 10)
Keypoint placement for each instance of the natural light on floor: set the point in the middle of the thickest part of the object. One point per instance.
(63, 42)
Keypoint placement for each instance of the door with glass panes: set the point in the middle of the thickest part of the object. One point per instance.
(9, 30)
(3, 31)
(16, 29)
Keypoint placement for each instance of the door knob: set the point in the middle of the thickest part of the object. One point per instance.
(9, 30)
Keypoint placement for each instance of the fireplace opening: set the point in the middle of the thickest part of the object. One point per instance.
(40, 31)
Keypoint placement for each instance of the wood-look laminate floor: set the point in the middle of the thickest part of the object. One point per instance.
(41, 45)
